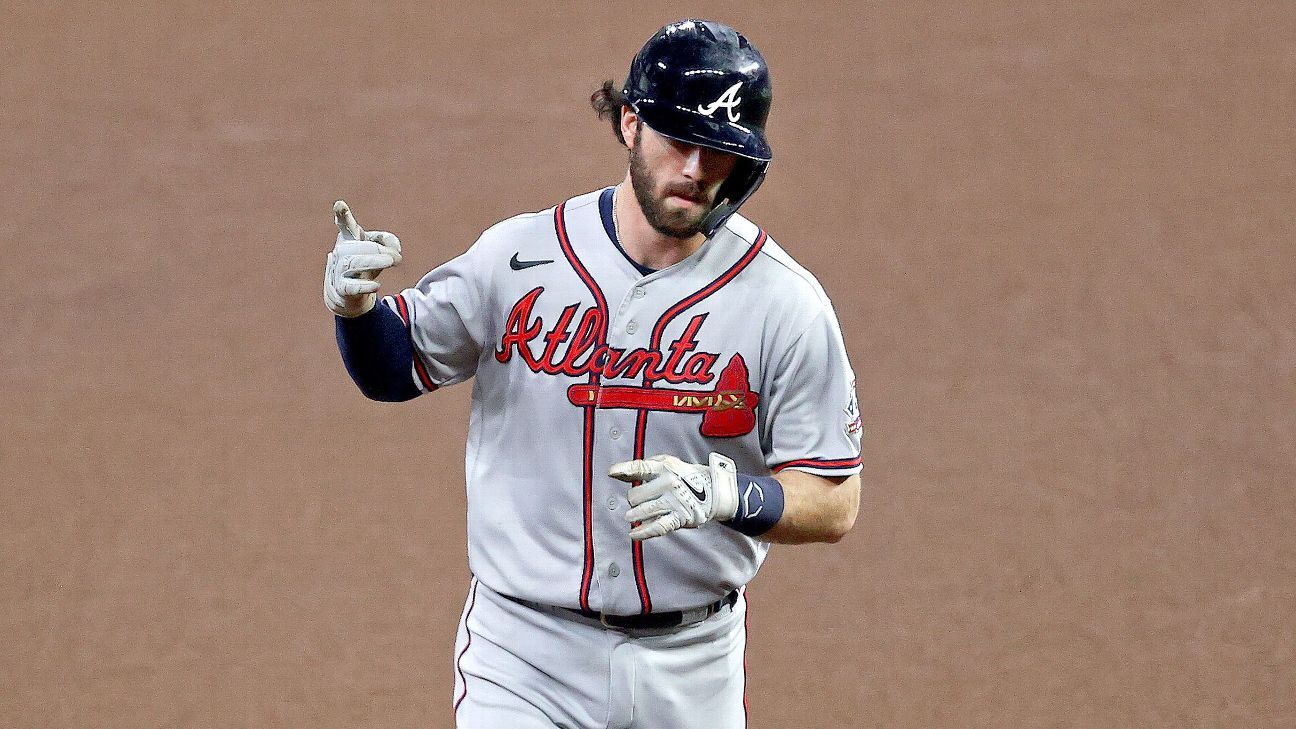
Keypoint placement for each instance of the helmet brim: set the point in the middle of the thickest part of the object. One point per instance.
(694, 127)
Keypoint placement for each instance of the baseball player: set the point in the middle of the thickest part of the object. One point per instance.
(660, 393)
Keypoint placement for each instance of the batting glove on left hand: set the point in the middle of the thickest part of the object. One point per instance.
(677, 495)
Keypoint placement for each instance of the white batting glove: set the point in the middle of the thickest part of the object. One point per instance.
(354, 263)
(677, 495)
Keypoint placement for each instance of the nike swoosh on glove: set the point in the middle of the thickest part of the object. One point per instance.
(675, 494)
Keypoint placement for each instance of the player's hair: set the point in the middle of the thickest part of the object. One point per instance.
(607, 100)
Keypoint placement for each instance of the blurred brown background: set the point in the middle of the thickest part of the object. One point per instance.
(1060, 238)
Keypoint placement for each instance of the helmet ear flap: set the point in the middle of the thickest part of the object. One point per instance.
(742, 183)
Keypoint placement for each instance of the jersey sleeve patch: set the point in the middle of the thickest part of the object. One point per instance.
(853, 424)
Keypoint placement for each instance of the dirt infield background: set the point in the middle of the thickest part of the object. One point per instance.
(1060, 238)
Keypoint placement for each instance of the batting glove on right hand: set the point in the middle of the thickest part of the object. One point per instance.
(676, 494)
(354, 263)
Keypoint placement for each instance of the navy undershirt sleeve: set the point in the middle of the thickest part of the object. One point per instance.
(378, 354)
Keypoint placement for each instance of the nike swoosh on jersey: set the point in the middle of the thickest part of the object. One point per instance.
(517, 265)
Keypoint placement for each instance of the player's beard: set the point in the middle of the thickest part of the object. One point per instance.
(672, 222)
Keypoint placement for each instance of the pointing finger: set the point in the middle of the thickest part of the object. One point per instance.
(346, 222)
(638, 470)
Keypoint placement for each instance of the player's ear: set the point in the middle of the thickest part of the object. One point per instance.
(629, 124)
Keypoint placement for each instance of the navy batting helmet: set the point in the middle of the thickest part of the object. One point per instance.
(704, 83)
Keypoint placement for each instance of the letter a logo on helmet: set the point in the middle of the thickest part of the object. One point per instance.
(729, 100)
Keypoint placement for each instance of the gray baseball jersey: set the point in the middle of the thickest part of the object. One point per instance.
(582, 359)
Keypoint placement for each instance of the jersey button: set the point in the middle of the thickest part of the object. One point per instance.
(615, 433)
(612, 503)
(639, 293)
(614, 570)
(632, 327)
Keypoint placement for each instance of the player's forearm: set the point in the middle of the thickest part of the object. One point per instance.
(815, 508)
(378, 354)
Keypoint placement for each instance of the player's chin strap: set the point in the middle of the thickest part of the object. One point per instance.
(742, 184)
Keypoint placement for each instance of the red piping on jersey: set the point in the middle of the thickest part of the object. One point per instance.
(459, 661)
(641, 423)
(402, 309)
(587, 470)
(819, 463)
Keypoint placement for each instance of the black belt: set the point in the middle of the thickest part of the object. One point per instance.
(650, 621)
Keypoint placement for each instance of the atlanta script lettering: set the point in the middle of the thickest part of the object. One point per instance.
(575, 347)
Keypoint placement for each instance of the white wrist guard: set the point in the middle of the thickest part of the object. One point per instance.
(724, 485)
